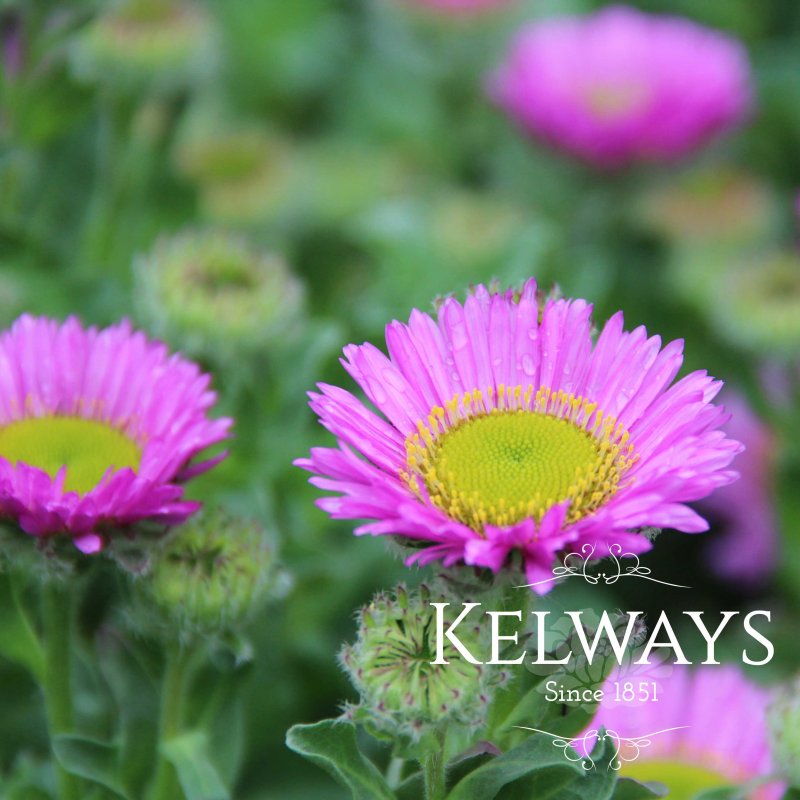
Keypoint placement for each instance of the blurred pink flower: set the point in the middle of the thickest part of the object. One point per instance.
(706, 729)
(747, 550)
(622, 86)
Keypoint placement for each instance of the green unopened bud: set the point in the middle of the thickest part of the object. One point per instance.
(212, 294)
(757, 304)
(149, 45)
(784, 725)
(212, 573)
(244, 175)
(402, 692)
(716, 207)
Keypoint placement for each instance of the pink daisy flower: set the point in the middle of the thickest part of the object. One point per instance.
(98, 428)
(706, 730)
(622, 86)
(507, 429)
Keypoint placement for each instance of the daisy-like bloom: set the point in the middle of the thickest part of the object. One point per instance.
(507, 429)
(707, 730)
(98, 428)
(747, 550)
(622, 86)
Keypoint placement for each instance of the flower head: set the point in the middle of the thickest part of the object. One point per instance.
(508, 430)
(390, 666)
(98, 429)
(707, 729)
(623, 86)
(212, 292)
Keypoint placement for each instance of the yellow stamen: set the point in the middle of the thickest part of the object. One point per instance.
(498, 458)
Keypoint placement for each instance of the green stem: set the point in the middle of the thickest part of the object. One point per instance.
(173, 695)
(434, 770)
(57, 607)
(394, 772)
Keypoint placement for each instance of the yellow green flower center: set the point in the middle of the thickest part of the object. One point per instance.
(683, 780)
(85, 447)
(615, 101)
(499, 457)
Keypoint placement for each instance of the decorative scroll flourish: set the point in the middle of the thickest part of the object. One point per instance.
(576, 564)
(626, 749)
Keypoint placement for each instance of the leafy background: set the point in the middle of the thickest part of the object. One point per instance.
(385, 178)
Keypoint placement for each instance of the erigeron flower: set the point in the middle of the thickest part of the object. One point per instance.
(401, 691)
(622, 86)
(706, 730)
(99, 428)
(507, 429)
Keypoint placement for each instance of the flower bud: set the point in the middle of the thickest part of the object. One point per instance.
(211, 294)
(784, 724)
(244, 175)
(402, 692)
(146, 45)
(756, 303)
(211, 573)
(713, 207)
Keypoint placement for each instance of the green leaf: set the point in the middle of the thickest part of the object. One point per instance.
(18, 641)
(723, 793)
(92, 759)
(199, 779)
(332, 745)
(629, 789)
(412, 788)
(535, 753)
(597, 783)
